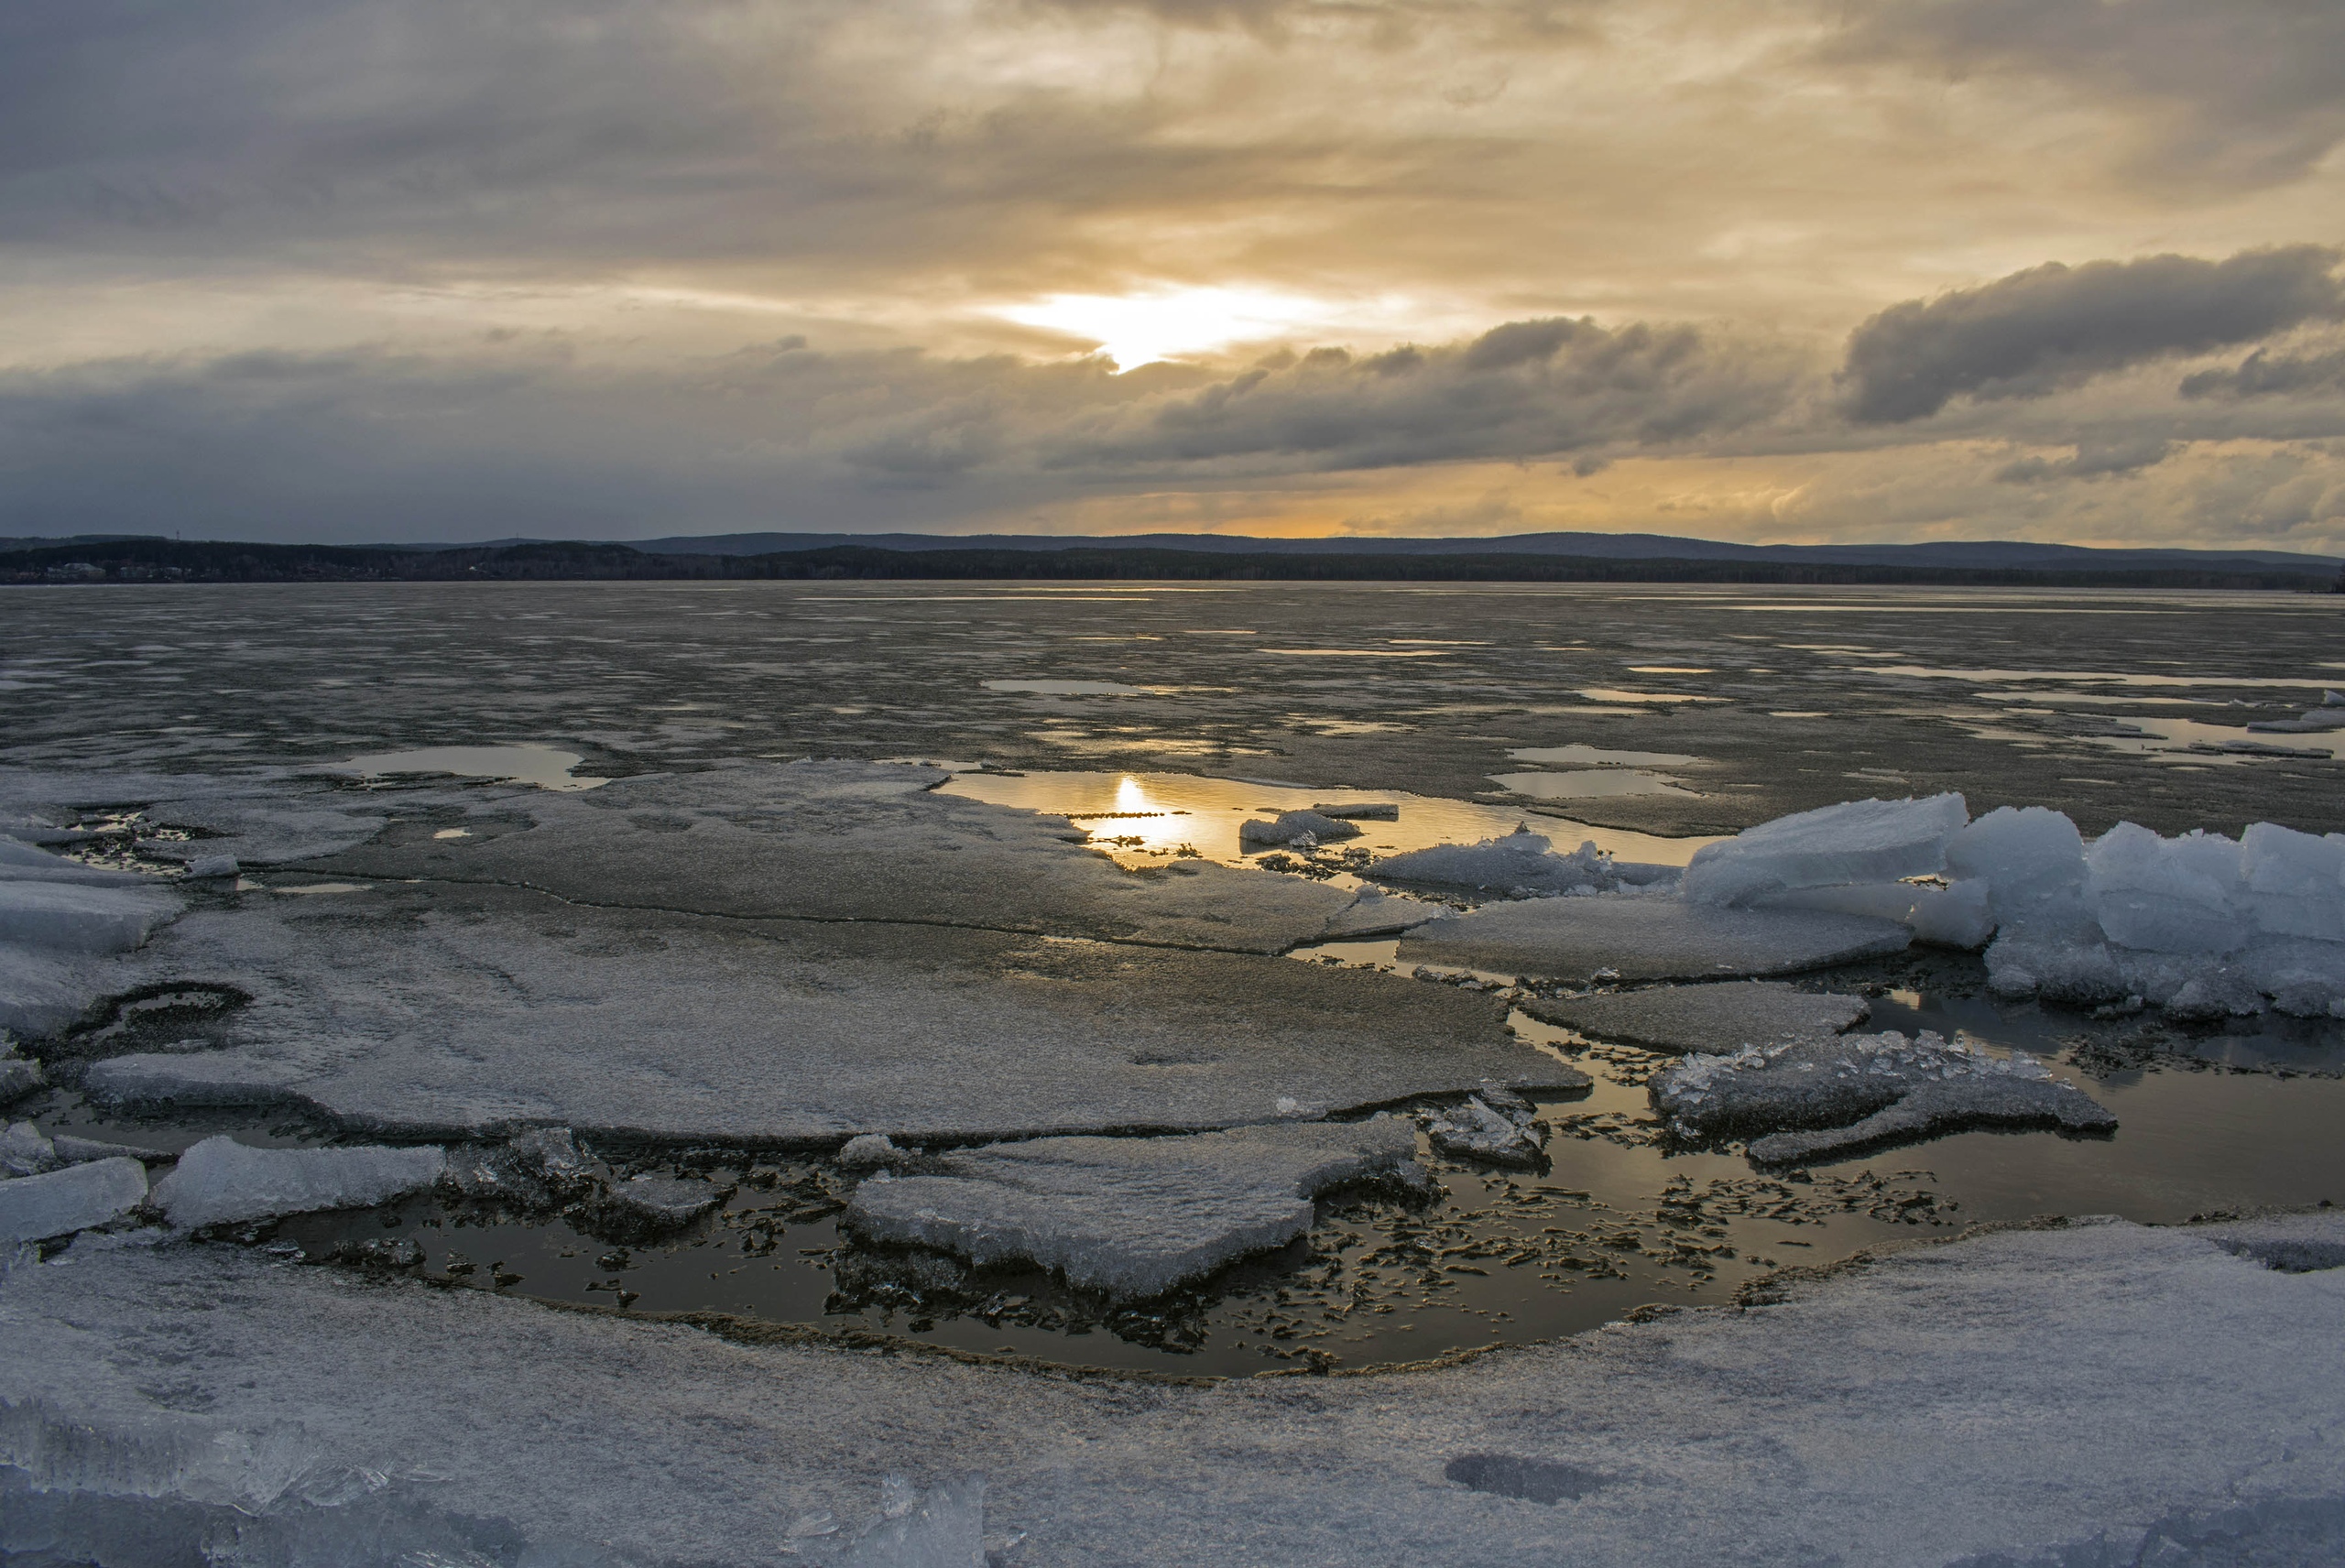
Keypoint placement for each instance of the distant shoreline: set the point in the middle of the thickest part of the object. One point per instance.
(153, 560)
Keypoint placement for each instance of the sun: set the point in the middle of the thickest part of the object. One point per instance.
(1134, 329)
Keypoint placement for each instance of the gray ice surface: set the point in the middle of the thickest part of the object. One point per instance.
(67, 917)
(459, 1011)
(1132, 1217)
(1946, 1401)
(262, 816)
(58, 1202)
(1719, 1018)
(1810, 1098)
(845, 841)
(1645, 937)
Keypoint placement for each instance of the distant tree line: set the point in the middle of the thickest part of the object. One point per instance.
(200, 560)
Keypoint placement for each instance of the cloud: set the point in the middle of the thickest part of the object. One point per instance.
(2092, 460)
(2261, 375)
(2054, 326)
(2242, 93)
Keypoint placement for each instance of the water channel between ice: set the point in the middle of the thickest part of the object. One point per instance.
(2212, 1119)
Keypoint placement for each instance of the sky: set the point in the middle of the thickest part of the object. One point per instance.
(1767, 270)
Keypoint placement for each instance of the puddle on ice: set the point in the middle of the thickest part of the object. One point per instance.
(1615, 1220)
(1142, 818)
(1619, 694)
(539, 765)
(1597, 756)
(1077, 689)
(1589, 785)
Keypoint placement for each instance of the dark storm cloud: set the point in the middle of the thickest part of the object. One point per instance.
(2262, 375)
(2053, 326)
(1525, 390)
(523, 438)
(2092, 460)
(2239, 90)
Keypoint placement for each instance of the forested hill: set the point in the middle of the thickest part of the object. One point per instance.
(197, 561)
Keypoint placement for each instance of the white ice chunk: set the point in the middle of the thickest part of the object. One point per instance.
(1290, 827)
(206, 865)
(2179, 895)
(1953, 916)
(1133, 1216)
(1521, 862)
(2025, 856)
(25, 1150)
(33, 1208)
(1713, 1019)
(1816, 1097)
(72, 918)
(221, 1181)
(1636, 938)
(2296, 883)
(867, 1150)
(1859, 840)
(1474, 1129)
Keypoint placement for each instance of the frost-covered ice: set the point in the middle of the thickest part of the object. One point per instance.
(1294, 827)
(852, 841)
(1713, 1019)
(222, 1182)
(1810, 1098)
(1946, 1401)
(1378, 913)
(1520, 863)
(1130, 1216)
(58, 1202)
(461, 1011)
(1633, 937)
(73, 918)
(1859, 843)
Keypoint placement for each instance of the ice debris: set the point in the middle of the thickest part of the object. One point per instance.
(1131, 1216)
(58, 1202)
(1295, 827)
(74, 919)
(867, 1150)
(1640, 938)
(1494, 1125)
(1811, 1098)
(18, 1076)
(222, 1182)
(943, 1528)
(1521, 864)
(2330, 716)
(1719, 1018)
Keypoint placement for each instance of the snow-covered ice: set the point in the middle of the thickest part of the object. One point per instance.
(1130, 1216)
(58, 1202)
(73, 918)
(1858, 843)
(462, 1011)
(1713, 1019)
(222, 1182)
(1520, 863)
(1634, 937)
(1807, 1099)
(1946, 1401)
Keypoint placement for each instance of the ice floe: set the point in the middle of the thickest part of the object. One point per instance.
(1130, 1216)
(1717, 1017)
(1494, 1125)
(1942, 1402)
(1860, 843)
(1378, 913)
(852, 841)
(2330, 716)
(58, 1202)
(72, 919)
(462, 1011)
(1628, 937)
(1807, 1099)
(223, 1181)
(1295, 827)
(1521, 864)
(19, 1075)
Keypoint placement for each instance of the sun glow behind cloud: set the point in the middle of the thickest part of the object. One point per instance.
(1134, 329)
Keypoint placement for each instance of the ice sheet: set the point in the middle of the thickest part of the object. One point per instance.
(33, 1208)
(1721, 1017)
(461, 1010)
(1945, 1402)
(1629, 937)
(67, 917)
(1130, 1216)
(1857, 842)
